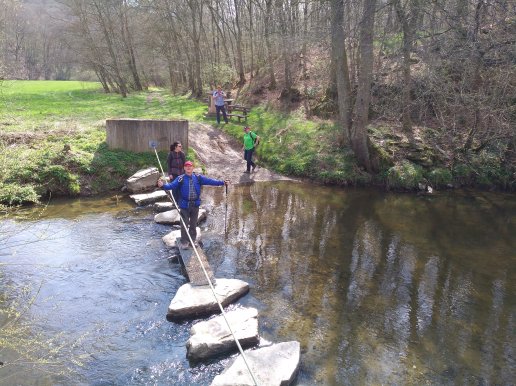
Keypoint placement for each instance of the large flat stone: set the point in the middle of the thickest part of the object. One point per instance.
(191, 301)
(213, 337)
(273, 365)
(172, 217)
(170, 238)
(160, 207)
(148, 198)
(142, 180)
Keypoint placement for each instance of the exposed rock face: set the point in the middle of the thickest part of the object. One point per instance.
(172, 217)
(273, 365)
(143, 180)
(212, 337)
(148, 198)
(191, 301)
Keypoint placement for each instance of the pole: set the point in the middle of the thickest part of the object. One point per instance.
(226, 211)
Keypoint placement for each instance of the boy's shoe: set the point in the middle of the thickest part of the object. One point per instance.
(254, 167)
(184, 245)
(247, 171)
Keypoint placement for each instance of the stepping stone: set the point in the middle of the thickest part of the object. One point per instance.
(193, 301)
(170, 238)
(160, 207)
(212, 337)
(142, 180)
(273, 365)
(172, 217)
(148, 198)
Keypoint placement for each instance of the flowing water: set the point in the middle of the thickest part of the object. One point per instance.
(378, 288)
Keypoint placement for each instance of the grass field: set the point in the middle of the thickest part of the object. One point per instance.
(38, 118)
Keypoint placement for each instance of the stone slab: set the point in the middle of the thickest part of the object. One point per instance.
(272, 365)
(143, 199)
(193, 301)
(213, 337)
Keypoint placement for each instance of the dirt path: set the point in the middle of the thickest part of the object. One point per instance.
(223, 156)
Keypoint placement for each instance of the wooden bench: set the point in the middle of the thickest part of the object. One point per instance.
(240, 117)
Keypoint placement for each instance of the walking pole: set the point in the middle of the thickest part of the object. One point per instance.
(226, 213)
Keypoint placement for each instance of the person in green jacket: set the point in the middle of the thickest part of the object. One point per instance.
(251, 139)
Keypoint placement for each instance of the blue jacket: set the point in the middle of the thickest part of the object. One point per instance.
(183, 183)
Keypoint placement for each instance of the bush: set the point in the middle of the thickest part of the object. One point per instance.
(440, 177)
(405, 175)
(12, 195)
(58, 179)
(463, 174)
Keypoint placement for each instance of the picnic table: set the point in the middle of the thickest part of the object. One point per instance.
(238, 111)
(232, 110)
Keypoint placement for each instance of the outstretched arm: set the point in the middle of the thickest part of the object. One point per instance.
(210, 181)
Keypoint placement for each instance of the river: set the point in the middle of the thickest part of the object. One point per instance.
(379, 288)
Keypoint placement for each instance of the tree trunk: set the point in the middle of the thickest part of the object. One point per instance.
(408, 21)
(343, 86)
(128, 43)
(121, 85)
(286, 47)
(358, 134)
(270, 60)
(251, 38)
(239, 58)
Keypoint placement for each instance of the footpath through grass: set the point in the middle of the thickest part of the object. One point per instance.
(53, 139)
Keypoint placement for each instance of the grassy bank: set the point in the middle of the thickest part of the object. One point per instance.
(53, 142)
(53, 137)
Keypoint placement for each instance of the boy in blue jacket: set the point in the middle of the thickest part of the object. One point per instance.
(189, 187)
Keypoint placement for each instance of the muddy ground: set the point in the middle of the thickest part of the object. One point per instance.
(223, 156)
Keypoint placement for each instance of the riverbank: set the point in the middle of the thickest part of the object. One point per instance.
(53, 143)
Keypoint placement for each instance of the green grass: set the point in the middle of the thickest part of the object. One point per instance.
(33, 105)
(293, 145)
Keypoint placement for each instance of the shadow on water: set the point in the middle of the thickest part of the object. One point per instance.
(378, 288)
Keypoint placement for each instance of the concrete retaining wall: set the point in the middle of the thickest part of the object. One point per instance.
(135, 134)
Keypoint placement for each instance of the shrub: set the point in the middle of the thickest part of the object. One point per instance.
(13, 194)
(404, 175)
(440, 177)
(59, 180)
(463, 174)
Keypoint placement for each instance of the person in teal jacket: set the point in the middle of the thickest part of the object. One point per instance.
(189, 187)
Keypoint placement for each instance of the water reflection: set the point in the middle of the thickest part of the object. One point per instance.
(383, 288)
(378, 288)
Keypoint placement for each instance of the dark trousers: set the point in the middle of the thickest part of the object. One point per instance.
(248, 156)
(190, 217)
(219, 109)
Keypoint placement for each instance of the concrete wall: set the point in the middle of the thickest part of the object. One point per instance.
(135, 134)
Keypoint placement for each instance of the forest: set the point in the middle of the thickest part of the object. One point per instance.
(407, 83)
